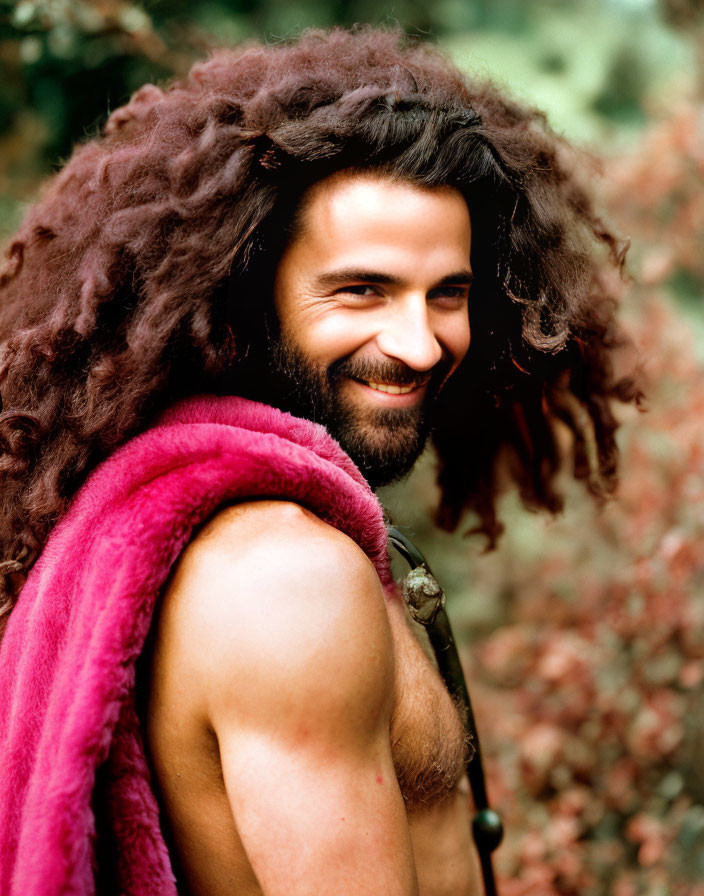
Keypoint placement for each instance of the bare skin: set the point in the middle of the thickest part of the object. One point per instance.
(289, 706)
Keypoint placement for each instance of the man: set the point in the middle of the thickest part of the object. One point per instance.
(301, 225)
(376, 277)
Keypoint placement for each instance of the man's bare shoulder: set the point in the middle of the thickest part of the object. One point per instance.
(279, 545)
(270, 525)
(270, 595)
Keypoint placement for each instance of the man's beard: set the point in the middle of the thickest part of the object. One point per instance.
(383, 442)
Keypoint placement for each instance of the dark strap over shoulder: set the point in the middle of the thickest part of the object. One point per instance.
(426, 603)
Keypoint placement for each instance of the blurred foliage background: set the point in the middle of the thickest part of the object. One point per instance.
(583, 636)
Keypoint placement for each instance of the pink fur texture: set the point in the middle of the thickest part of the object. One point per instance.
(67, 661)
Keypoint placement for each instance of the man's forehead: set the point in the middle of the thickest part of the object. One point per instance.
(370, 190)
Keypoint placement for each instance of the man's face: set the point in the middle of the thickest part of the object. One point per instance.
(371, 296)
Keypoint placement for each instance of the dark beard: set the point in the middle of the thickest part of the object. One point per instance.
(383, 442)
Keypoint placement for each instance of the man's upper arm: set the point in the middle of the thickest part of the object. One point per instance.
(293, 661)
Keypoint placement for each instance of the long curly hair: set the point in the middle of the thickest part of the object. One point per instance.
(125, 288)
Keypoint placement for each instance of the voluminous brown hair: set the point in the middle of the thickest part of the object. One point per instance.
(122, 290)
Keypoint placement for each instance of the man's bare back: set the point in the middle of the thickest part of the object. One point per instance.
(301, 740)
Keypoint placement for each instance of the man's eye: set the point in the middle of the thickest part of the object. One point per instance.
(359, 289)
(451, 293)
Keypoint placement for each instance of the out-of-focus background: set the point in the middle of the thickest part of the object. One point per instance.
(583, 636)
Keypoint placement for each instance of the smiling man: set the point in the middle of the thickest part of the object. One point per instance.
(351, 768)
(209, 680)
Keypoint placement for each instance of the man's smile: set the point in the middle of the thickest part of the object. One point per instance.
(394, 388)
(388, 387)
(392, 394)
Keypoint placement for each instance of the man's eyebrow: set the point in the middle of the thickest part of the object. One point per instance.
(358, 275)
(459, 278)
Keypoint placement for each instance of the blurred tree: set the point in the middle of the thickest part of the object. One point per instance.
(620, 97)
(68, 62)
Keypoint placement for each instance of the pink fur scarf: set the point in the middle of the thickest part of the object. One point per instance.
(67, 661)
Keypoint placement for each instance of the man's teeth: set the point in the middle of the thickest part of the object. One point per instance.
(392, 390)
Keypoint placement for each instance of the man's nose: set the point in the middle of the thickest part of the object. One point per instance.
(408, 335)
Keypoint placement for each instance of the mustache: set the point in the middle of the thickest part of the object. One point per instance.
(393, 372)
